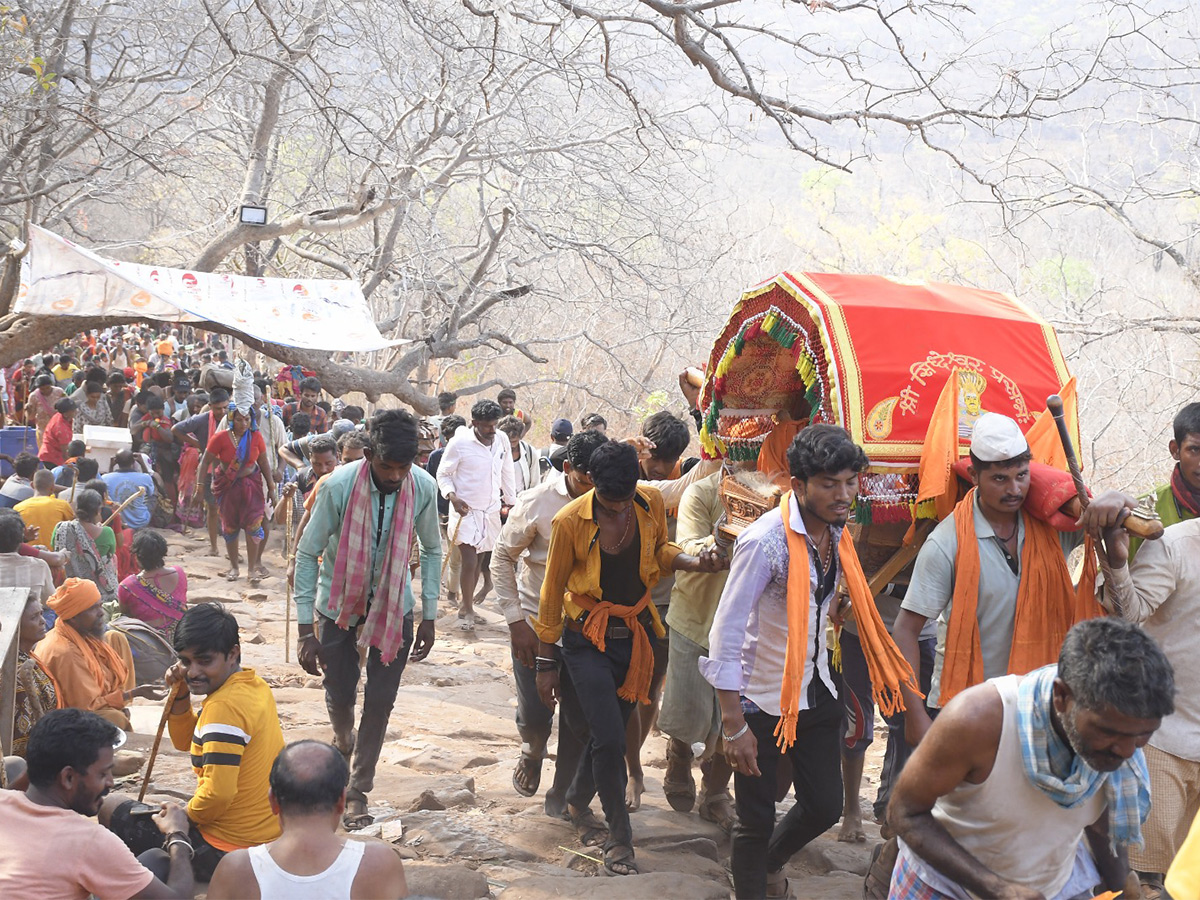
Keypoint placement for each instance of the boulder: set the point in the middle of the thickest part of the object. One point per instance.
(445, 881)
(659, 885)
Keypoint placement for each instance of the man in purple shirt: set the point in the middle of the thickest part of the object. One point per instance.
(748, 652)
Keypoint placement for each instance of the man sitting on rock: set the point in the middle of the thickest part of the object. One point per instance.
(233, 743)
(87, 671)
(310, 858)
(48, 845)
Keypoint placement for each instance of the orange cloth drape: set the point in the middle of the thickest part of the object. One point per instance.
(636, 687)
(1044, 442)
(772, 456)
(886, 665)
(1047, 603)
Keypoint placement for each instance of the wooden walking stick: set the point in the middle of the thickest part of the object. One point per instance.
(139, 493)
(1138, 522)
(162, 724)
(287, 556)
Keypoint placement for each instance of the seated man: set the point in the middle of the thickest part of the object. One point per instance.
(44, 509)
(87, 671)
(17, 569)
(1013, 775)
(308, 793)
(127, 481)
(233, 743)
(19, 485)
(49, 847)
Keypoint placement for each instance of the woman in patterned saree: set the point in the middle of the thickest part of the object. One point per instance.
(240, 470)
(37, 693)
(158, 593)
(91, 547)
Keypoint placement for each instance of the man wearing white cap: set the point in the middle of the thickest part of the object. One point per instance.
(998, 595)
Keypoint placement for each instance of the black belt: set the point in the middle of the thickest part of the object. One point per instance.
(617, 629)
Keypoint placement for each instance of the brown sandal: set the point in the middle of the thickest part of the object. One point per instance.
(879, 876)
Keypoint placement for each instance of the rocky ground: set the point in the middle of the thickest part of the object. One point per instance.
(443, 793)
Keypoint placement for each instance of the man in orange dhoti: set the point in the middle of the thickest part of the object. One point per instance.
(89, 673)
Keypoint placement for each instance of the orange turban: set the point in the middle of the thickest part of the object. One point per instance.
(75, 595)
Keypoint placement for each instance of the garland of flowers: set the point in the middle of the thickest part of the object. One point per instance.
(784, 332)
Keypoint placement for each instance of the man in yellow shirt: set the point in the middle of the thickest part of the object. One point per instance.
(44, 509)
(233, 743)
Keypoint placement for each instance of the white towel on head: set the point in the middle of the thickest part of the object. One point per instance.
(243, 388)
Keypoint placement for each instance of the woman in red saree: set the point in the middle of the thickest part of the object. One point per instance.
(240, 470)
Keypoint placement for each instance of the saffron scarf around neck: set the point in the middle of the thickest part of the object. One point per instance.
(1047, 602)
(886, 665)
(636, 687)
(1054, 768)
(353, 569)
(103, 662)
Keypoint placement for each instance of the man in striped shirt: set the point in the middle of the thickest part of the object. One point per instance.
(233, 743)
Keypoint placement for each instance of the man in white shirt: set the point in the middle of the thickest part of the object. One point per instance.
(476, 476)
(17, 570)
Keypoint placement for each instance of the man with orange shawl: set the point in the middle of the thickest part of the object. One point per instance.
(88, 672)
(995, 578)
(770, 664)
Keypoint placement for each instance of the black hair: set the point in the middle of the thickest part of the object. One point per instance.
(76, 448)
(1019, 460)
(26, 464)
(308, 384)
(669, 433)
(153, 401)
(451, 424)
(65, 405)
(162, 379)
(150, 548)
(93, 387)
(355, 438)
(581, 447)
(87, 504)
(613, 467)
(218, 395)
(446, 399)
(1187, 421)
(322, 443)
(353, 412)
(97, 485)
(87, 468)
(507, 394)
(1109, 663)
(486, 411)
(43, 380)
(591, 420)
(824, 450)
(394, 435)
(207, 628)
(66, 357)
(117, 378)
(65, 738)
(12, 531)
(301, 424)
(304, 789)
(511, 426)
(325, 405)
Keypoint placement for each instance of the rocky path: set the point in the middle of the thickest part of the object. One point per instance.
(443, 793)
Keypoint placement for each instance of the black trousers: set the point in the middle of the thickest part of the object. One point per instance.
(596, 677)
(339, 653)
(534, 721)
(759, 845)
(142, 837)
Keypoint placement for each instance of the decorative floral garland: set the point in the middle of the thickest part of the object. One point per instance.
(776, 325)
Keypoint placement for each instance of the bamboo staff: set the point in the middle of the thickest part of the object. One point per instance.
(139, 493)
(162, 724)
(287, 555)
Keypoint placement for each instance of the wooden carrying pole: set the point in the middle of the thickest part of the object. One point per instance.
(287, 557)
(1141, 526)
(162, 724)
(139, 493)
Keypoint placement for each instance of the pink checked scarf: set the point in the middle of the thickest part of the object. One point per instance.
(353, 568)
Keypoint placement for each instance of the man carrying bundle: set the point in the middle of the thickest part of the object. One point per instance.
(770, 630)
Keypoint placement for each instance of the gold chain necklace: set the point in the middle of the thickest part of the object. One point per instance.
(624, 534)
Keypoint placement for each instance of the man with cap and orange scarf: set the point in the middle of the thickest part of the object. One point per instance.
(770, 664)
(608, 548)
(89, 673)
(995, 578)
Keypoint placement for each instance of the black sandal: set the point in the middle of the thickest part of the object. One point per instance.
(530, 766)
(618, 860)
(592, 832)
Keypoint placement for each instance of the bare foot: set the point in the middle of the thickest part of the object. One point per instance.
(851, 831)
(260, 572)
(633, 794)
(213, 551)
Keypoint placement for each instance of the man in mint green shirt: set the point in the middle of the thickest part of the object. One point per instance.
(329, 649)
